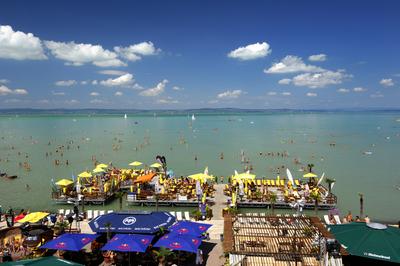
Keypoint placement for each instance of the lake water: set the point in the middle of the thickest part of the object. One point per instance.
(305, 136)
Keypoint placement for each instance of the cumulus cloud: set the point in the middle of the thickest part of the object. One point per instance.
(157, 90)
(387, 82)
(19, 45)
(311, 94)
(320, 80)
(251, 51)
(176, 88)
(317, 57)
(125, 80)
(65, 83)
(95, 82)
(286, 93)
(94, 94)
(58, 93)
(272, 93)
(343, 90)
(291, 64)
(84, 82)
(359, 89)
(230, 94)
(7, 91)
(4, 81)
(118, 93)
(135, 52)
(78, 54)
(112, 72)
(284, 81)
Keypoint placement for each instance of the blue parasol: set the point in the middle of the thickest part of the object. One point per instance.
(174, 241)
(189, 228)
(132, 222)
(72, 242)
(129, 243)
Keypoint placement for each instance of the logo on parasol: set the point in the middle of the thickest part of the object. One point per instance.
(175, 245)
(129, 220)
(183, 231)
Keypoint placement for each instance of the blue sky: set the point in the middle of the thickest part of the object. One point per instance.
(194, 54)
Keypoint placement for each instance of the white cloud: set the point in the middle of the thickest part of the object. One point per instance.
(343, 90)
(59, 93)
(156, 90)
(4, 81)
(19, 45)
(378, 94)
(320, 80)
(286, 93)
(272, 93)
(213, 101)
(94, 93)
(136, 51)
(168, 100)
(291, 64)
(84, 82)
(359, 89)
(176, 88)
(230, 94)
(95, 82)
(284, 81)
(317, 57)
(112, 72)
(7, 91)
(97, 101)
(78, 54)
(125, 80)
(118, 93)
(71, 102)
(13, 100)
(251, 51)
(387, 82)
(311, 94)
(65, 83)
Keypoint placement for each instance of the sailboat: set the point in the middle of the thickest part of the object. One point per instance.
(125, 116)
(193, 118)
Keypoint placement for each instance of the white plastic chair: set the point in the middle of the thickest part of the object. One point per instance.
(110, 211)
(179, 216)
(187, 216)
(102, 212)
(67, 212)
(95, 213)
(326, 219)
(89, 214)
(61, 211)
(337, 219)
(173, 214)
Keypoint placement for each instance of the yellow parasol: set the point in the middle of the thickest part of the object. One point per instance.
(64, 182)
(33, 217)
(201, 177)
(102, 165)
(244, 176)
(309, 175)
(98, 170)
(156, 165)
(85, 175)
(135, 163)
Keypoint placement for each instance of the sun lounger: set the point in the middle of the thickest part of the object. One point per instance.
(268, 182)
(89, 214)
(187, 216)
(102, 212)
(297, 182)
(272, 182)
(179, 216)
(282, 183)
(259, 182)
(173, 214)
(95, 213)
(337, 219)
(110, 211)
(326, 219)
(264, 182)
(61, 211)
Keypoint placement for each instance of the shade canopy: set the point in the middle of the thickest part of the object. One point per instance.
(129, 243)
(145, 178)
(374, 241)
(34, 217)
(132, 222)
(43, 261)
(98, 170)
(201, 176)
(189, 228)
(156, 165)
(64, 182)
(135, 163)
(174, 241)
(72, 242)
(85, 175)
(309, 175)
(244, 176)
(102, 165)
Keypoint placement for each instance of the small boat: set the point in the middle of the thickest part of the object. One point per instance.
(193, 118)
(125, 116)
(11, 176)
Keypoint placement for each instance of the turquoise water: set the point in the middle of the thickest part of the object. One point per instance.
(305, 136)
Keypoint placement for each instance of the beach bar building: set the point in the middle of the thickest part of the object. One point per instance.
(259, 239)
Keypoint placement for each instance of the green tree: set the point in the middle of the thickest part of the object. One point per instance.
(272, 198)
(361, 196)
(310, 167)
(317, 198)
(162, 255)
(120, 195)
(329, 181)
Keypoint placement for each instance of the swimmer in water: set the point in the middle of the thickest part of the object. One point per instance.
(221, 156)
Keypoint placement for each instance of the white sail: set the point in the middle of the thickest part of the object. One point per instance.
(125, 116)
(320, 180)
(193, 118)
(290, 177)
